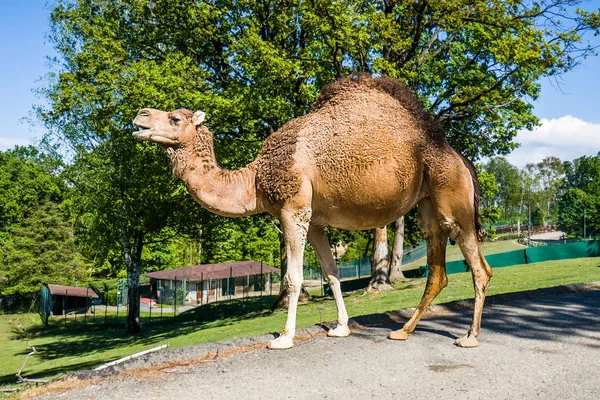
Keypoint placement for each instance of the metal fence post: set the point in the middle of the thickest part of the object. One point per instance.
(322, 289)
(175, 299)
(65, 305)
(87, 299)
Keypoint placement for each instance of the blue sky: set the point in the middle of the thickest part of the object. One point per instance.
(569, 108)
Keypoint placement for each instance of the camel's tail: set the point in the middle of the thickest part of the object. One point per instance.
(473, 171)
(478, 227)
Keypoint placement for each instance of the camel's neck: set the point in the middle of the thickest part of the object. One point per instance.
(223, 192)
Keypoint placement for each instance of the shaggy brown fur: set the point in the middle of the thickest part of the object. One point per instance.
(275, 166)
(394, 87)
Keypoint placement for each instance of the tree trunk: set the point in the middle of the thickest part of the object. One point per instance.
(380, 262)
(397, 250)
(283, 264)
(133, 258)
(133, 300)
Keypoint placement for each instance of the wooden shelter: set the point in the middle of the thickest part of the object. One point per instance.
(205, 282)
(59, 299)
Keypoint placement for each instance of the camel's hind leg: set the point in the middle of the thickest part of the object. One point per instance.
(320, 244)
(436, 260)
(481, 271)
(453, 194)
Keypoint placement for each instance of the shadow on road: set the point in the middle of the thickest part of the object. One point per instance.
(566, 316)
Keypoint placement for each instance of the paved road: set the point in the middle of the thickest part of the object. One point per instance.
(546, 348)
(554, 235)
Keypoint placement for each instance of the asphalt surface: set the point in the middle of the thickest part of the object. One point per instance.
(546, 348)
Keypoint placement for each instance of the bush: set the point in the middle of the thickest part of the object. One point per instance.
(110, 297)
(510, 236)
(180, 296)
(489, 235)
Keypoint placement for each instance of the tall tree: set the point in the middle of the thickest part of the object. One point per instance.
(255, 64)
(509, 195)
(42, 249)
(579, 205)
(551, 174)
(37, 241)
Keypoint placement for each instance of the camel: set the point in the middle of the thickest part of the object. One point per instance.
(364, 156)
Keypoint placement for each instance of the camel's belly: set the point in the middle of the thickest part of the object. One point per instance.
(367, 198)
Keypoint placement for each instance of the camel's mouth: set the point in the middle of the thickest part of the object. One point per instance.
(145, 131)
(143, 134)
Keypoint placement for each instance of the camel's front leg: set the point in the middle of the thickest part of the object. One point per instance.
(320, 244)
(295, 227)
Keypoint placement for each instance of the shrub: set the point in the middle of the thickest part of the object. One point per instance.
(510, 236)
(110, 297)
(489, 235)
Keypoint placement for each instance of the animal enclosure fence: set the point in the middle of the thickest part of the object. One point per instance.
(110, 309)
(362, 268)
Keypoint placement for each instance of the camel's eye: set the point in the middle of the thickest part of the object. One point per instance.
(175, 119)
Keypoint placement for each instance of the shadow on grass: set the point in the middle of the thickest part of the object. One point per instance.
(82, 341)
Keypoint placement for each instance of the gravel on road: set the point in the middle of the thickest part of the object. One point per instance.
(544, 347)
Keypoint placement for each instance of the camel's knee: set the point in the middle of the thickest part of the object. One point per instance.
(437, 279)
(292, 283)
(450, 228)
(442, 281)
(332, 275)
(481, 282)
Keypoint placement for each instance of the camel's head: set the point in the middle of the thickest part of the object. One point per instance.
(170, 129)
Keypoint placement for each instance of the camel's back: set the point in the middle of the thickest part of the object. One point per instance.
(355, 133)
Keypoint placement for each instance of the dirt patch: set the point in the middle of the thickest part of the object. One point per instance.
(448, 368)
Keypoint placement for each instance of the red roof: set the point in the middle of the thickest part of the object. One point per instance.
(213, 271)
(72, 291)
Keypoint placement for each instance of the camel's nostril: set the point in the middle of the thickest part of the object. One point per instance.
(144, 113)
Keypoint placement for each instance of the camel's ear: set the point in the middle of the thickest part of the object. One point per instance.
(198, 118)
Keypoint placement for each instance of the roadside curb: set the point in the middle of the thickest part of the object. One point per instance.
(189, 355)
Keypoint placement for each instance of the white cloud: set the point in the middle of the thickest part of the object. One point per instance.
(8, 143)
(566, 137)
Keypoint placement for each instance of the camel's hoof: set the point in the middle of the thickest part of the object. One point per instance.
(467, 341)
(281, 343)
(400, 334)
(339, 331)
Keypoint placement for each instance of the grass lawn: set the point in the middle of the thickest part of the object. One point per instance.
(62, 350)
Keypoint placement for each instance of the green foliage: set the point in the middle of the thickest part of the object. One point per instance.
(490, 234)
(111, 297)
(509, 236)
(490, 215)
(26, 182)
(488, 188)
(581, 197)
(42, 249)
(179, 294)
(508, 181)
